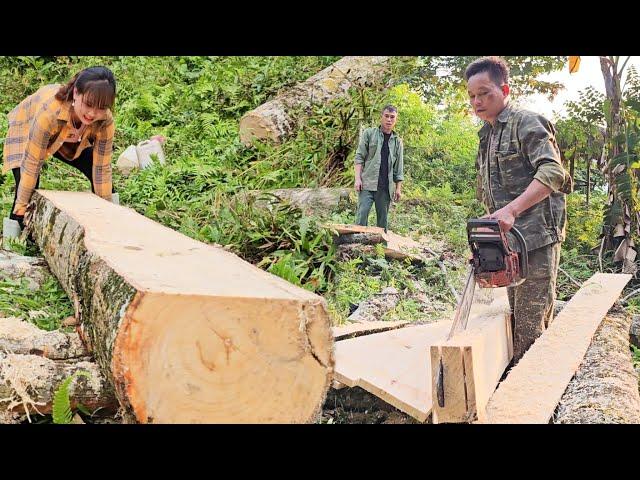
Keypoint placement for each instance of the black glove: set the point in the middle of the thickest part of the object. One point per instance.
(19, 219)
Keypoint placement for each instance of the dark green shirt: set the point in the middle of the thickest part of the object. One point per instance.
(522, 147)
(369, 154)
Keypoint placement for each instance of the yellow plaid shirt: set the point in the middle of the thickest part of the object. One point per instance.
(37, 129)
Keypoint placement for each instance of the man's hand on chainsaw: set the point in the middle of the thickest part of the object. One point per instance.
(505, 216)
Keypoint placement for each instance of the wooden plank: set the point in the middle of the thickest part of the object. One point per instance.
(365, 328)
(473, 360)
(336, 385)
(397, 246)
(393, 365)
(454, 383)
(535, 385)
(396, 365)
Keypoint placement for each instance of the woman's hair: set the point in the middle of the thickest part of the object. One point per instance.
(96, 84)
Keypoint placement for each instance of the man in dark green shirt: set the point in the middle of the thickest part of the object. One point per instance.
(379, 168)
(521, 183)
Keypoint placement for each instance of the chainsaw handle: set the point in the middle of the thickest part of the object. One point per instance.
(491, 223)
(524, 255)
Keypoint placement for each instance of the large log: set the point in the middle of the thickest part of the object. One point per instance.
(186, 332)
(33, 364)
(277, 118)
(605, 387)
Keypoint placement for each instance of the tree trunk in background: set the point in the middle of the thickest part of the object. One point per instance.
(277, 118)
(621, 213)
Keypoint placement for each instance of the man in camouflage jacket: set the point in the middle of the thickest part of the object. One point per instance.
(522, 183)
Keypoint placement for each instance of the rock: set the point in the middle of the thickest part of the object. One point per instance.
(374, 308)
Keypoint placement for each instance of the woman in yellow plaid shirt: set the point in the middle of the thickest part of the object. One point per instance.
(71, 122)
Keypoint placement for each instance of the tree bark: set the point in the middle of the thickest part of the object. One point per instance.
(15, 267)
(28, 384)
(276, 119)
(20, 337)
(185, 332)
(605, 387)
(316, 201)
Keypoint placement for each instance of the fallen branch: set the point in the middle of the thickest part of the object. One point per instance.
(577, 284)
(625, 298)
(444, 271)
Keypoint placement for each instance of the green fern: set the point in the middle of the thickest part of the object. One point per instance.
(61, 403)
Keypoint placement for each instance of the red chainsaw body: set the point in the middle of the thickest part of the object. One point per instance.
(495, 263)
(504, 278)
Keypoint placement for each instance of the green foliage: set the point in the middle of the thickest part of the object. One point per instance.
(45, 307)
(351, 286)
(277, 237)
(61, 409)
(588, 110)
(438, 77)
(585, 222)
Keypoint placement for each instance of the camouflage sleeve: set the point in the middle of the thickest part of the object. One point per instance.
(537, 139)
(363, 148)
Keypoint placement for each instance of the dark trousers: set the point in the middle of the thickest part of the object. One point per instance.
(382, 200)
(84, 163)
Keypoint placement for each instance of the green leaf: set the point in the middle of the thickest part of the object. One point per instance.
(61, 410)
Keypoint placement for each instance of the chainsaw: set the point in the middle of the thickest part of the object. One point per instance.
(493, 264)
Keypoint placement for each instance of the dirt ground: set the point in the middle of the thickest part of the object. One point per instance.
(355, 405)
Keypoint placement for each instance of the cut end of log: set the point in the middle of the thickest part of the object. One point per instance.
(240, 362)
(268, 122)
